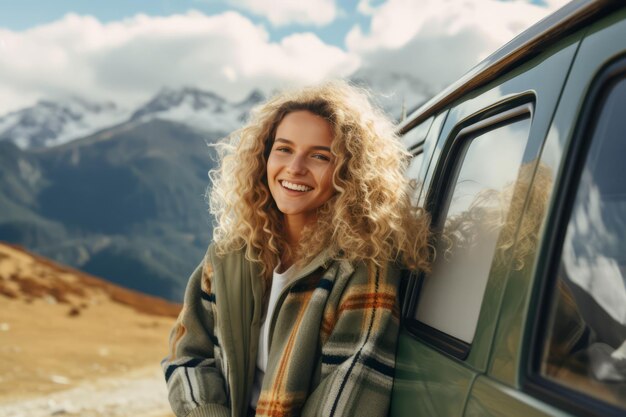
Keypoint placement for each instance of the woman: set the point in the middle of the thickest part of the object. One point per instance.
(293, 310)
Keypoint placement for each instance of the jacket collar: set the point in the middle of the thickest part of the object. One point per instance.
(323, 259)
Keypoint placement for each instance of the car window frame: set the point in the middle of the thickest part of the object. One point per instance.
(420, 138)
(451, 159)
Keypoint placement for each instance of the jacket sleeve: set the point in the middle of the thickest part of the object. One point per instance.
(358, 356)
(195, 383)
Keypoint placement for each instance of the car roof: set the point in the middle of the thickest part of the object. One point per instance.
(526, 45)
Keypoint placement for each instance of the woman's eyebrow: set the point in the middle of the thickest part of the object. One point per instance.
(287, 141)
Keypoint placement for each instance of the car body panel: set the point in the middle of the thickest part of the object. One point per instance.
(598, 48)
(544, 96)
(493, 399)
(430, 386)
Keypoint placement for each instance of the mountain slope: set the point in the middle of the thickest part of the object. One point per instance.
(126, 204)
(50, 123)
(27, 276)
(203, 110)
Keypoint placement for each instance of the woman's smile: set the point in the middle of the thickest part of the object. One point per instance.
(293, 186)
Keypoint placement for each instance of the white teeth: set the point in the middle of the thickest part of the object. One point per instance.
(295, 187)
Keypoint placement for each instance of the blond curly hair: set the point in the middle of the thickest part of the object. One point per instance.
(369, 218)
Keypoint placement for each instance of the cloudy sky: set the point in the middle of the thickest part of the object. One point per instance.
(125, 51)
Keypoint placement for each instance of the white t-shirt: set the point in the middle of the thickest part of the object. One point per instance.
(279, 282)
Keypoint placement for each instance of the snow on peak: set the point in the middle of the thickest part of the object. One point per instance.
(49, 123)
(191, 98)
(255, 97)
(200, 109)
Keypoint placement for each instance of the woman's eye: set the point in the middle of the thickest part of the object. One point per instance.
(282, 149)
(321, 157)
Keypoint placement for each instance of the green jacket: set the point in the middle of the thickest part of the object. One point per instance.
(333, 340)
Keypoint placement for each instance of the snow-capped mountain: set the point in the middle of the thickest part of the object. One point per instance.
(203, 110)
(394, 91)
(49, 123)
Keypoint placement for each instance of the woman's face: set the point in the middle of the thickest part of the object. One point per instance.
(300, 166)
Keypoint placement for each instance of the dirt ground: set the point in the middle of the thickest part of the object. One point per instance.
(87, 356)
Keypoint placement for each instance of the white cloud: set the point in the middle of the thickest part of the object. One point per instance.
(439, 40)
(127, 61)
(286, 12)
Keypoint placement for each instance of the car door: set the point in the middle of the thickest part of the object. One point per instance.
(562, 334)
(475, 187)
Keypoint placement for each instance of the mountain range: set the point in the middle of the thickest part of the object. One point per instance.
(126, 200)
(126, 203)
(52, 123)
(49, 123)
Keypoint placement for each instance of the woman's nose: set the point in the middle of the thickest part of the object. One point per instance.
(297, 165)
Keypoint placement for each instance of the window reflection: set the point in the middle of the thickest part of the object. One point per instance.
(413, 172)
(475, 215)
(415, 166)
(586, 344)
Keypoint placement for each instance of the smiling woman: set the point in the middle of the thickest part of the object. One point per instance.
(294, 310)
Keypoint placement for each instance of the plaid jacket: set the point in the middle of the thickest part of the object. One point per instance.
(333, 340)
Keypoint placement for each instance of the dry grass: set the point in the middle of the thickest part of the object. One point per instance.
(29, 276)
(59, 327)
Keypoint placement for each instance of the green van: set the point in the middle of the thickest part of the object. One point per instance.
(523, 166)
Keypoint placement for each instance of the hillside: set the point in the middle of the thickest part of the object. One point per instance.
(126, 204)
(73, 344)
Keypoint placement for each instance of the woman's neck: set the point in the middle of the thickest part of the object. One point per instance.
(293, 229)
(285, 263)
(294, 225)
(293, 233)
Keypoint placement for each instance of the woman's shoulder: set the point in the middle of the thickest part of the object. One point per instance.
(218, 253)
(217, 259)
(367, 271)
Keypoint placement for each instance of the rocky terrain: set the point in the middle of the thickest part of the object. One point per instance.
(72, 344)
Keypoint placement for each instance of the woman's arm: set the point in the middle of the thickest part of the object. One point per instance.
(358, 358)
(192, 370)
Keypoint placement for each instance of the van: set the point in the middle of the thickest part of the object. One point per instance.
(522, 165)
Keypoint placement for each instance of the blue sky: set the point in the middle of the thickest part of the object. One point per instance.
(125, 51)
(24, 14)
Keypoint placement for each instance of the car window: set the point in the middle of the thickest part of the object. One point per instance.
(417, 134)
(415, 165)
(585, 345)
(471, 217)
